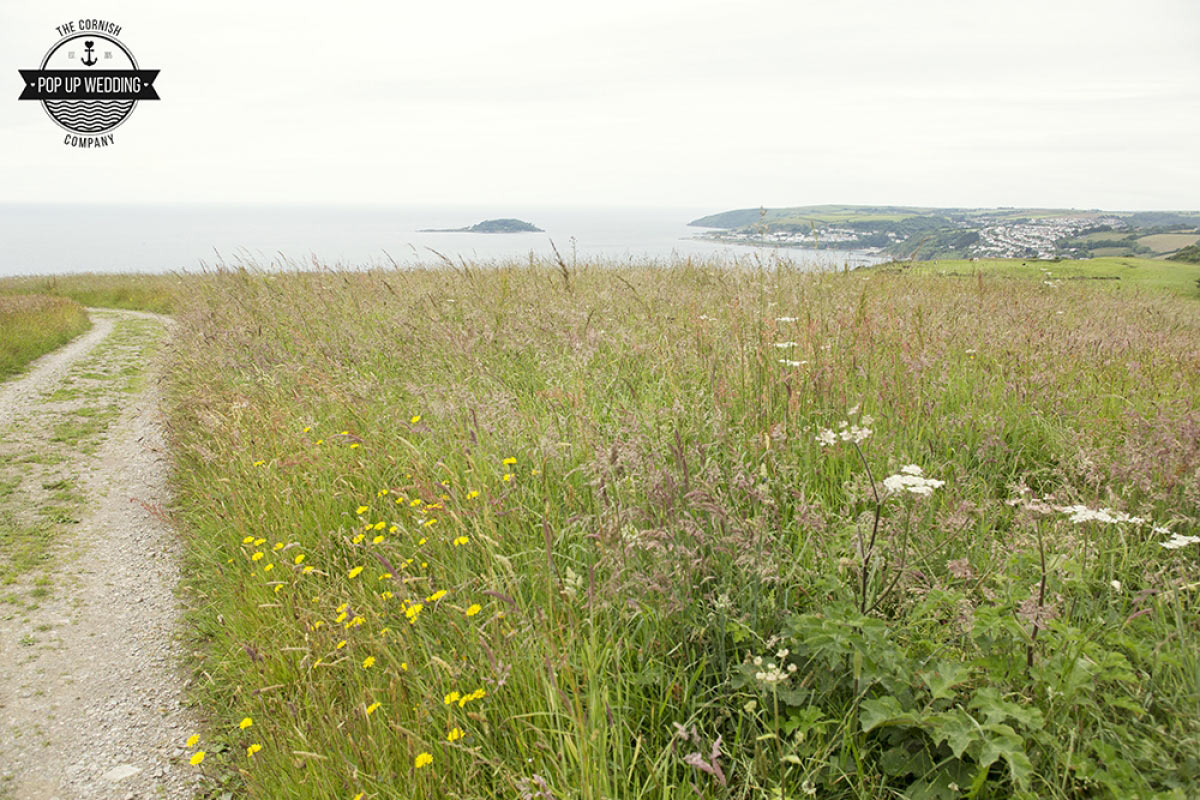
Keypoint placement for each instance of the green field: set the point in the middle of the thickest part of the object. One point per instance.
(1106, 273)
(692, 532)
(32, 325)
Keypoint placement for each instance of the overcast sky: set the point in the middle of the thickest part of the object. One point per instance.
(1073, 103)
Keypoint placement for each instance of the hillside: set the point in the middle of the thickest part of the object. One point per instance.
(924, 233)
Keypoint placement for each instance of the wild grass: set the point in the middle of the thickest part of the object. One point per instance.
(33, 325)
(528, 532)
(134, 291)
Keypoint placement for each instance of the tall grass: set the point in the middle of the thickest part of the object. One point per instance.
(531, 532)
(32, 325)
(134, 291)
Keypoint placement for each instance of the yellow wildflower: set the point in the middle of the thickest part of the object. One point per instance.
(193, 740)
(509, 460)
(252, 749)
(508, 476)
(471, 495)
(474, 609)
(377, 539)
(248, 540)
(298, 559)
(438, 595)
(429, 522)
(259, 463)
(357, 539)
(341, 617)
(416, 418)
(245, 723)
(340, 645)
(385, 576)
(307, 570)
(404, 666)
(380, 526)
(354, 445)
(371, 709)
(454, 735)
(307, 428)
(412, 611)
(451, 698)
(257, 555)
(278, 546)
(354, 572)
(196, 758)
(268, 567)
(424, 759)
(461, 540)
(320, 441)
(362, 509)
(258, 542)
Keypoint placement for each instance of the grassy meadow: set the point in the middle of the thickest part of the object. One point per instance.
(33, 325)
(133, 291)
(690, 532)
(1120, 273)
(621, 532)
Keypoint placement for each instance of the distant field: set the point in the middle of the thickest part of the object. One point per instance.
(1169, 242)
(1146, 273)
(133, 291)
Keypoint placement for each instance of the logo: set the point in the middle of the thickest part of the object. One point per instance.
(89, 83)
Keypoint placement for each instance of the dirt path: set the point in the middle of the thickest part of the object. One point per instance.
(90, 685)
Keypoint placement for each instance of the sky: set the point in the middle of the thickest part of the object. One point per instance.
(635, 103)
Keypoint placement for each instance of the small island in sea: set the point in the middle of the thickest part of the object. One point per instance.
(491, 226)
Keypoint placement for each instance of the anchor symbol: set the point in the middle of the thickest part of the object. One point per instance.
(87, 56)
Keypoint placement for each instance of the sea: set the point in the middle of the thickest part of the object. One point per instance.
(65, 238)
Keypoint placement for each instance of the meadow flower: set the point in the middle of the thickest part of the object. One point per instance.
(508, 461)
(508, 476)
(307, 570)
(1178, 540)
(354, 572)
(252, 749)
(416, 418)
(192, 741)
(423, 760)
(277, 546)
(259, 542)
(454, 735)
(826, 438)
(340, 645)
(362, 509)
(461, 540)
(412, 611)
(371, 709)
(474, 609)
(909, 479)
(196, 758)
(248, 540)
(259, 463)
(787, 362)
(368, 662)
(245, 723)
(450, 698)
(268, 567)
(298, 559)
(784, 345)
(377, 539)
(257, 556)
(438, 595)
(787, 319)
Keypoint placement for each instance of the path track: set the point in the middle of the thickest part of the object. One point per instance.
(91, 691)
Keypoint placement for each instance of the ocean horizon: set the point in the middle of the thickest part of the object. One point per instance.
(67, 238)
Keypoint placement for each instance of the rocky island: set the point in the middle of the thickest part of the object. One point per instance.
(491, 226)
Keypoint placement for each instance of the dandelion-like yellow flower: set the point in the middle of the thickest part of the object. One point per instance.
(371, 709)
(381, 492)
(257, 556)
(340, 645)
(307, 428)
(259, 463)
(424, 760)
(278, 546)
(341, 617)
(196, 758)
(438, 595)
(404, 666)
(343, 607)
(252, 749)
(320, 441)
(268, 567)
(368, 662)
(357, 539)
(380, 525)
(307, 570)
(393, 529)
(386, 595)
(460, 541)
(193, 740)
(385, 576)
(354, 445)
(362, 509)
(454, 735)
(509, 460)
(354, 572)
(278, 587)
(422, 541)
(474, 609)
(258, 542)
(451, 698)
(377, 539)
(429, 522)
(416, 501)
(298, 559)
(245, 723)
(248, 540)
(360, 796)
(412, 611)
(416, 418)
(508, 476)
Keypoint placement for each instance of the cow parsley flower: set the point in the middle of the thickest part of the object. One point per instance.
(910, 479)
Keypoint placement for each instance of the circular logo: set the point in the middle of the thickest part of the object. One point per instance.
(80, 53)
(89, 82)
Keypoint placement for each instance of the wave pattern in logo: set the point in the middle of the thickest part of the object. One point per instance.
(89, 116)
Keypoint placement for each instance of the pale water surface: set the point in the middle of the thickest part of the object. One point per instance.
(43, 239)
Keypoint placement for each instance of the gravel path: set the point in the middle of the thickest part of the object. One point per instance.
(91, 691)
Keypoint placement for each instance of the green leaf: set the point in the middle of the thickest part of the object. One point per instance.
(943, 677)
(956, 728)
(884, 711)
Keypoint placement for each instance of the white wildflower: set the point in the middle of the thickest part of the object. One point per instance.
(909, 479)
(784, 345)
(787, 362)
(786, 319)
(1115, 584)
(826, 438)
(1178, 540)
